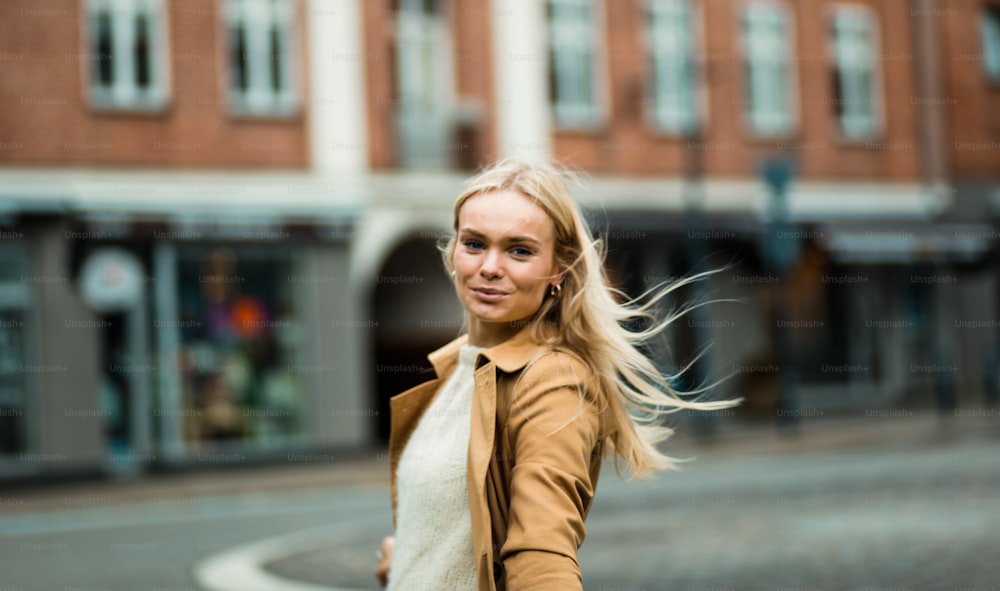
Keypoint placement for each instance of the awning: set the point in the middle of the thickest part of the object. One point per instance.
(907, 243)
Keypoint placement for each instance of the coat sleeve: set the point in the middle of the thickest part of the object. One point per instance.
(552, 434)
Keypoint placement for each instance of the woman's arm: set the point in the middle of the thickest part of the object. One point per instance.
(552, 434)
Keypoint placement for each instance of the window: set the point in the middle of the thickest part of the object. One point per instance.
(767, 51)
(573, 35)
(127, 54)
(855, 73)
(990, 25)
(238, 327)
(673, 71)
(259, 35)
(425, 96)
(15, 353)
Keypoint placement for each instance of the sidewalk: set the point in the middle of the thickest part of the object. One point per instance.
(360, 468)
(920, 430)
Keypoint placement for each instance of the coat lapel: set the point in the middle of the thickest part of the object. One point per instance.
(482, 435)
(407, 407)
(510, 356)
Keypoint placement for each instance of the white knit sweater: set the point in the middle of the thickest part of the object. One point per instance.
(433, 528)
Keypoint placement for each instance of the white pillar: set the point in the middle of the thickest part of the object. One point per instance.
(336, 102)
(520, 63)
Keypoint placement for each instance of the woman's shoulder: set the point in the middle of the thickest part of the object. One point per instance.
(560, 362)
(553, 391)
(556, 369)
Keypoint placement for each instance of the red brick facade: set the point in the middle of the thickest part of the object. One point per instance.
(629, 145)
(47, 118)
(469, 25)
(972, 100)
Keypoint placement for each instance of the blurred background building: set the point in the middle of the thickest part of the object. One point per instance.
(220, 219)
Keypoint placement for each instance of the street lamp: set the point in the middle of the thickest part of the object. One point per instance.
(780, 248)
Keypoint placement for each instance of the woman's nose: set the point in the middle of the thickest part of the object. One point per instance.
(492, 266)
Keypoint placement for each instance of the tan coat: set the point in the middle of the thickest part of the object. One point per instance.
(533, 463)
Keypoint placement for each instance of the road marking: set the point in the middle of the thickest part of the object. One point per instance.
(242, 568)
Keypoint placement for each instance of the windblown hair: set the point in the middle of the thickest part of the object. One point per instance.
(589, 318)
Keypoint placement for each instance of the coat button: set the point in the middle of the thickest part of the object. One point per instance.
(497, 571)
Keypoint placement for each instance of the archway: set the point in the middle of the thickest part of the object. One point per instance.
(417, 311)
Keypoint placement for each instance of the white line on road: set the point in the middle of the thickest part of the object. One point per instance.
(242, 568)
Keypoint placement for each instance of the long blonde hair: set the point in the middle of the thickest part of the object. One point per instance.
(586, 318)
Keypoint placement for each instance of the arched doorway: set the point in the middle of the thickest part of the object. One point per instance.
(417, 311)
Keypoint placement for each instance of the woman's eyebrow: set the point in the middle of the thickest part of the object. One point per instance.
(507, 238)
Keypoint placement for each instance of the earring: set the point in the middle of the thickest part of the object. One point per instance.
(555, 289)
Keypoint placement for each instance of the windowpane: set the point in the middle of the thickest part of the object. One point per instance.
(12, 381)
(853, 50)
(672, 69)
(125, 42)
(990, 25)
(104, 51)
(238, 348)
(259, 59)
(768, 74)
(143, 57)
(238, 55)
(572, 37)
(275, 59)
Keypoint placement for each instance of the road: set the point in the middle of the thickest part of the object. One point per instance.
(911, 514)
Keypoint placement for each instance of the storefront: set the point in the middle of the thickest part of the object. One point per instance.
(135, 340)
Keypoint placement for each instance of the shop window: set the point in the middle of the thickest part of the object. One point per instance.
(238, 348)
(855, 71)
(260, 42)
(573, 49)
(127, 54)
(12, 381)
(767, 54)
(673, 68)
(14, 301)
(989, 23)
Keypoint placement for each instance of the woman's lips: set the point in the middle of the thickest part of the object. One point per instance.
(489, 295)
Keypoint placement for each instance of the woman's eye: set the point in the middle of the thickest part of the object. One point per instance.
(522, 252)
(473, 244)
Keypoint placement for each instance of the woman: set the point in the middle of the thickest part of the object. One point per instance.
(494, 463)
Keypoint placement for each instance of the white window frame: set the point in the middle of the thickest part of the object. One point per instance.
(671, 46)
(989, 30)
(425, 81)
(852, 61)
(124, 94)
(567, 40)
(258, 16)
(780, 117)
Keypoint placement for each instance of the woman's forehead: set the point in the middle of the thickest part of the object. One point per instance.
(504, 213)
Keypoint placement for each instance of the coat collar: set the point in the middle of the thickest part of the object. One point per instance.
(510, 355)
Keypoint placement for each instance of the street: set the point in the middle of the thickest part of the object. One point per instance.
(903, 507)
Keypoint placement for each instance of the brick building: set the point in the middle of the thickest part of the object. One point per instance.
(220, 218)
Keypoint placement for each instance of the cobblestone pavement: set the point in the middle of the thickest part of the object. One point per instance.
(891, 508)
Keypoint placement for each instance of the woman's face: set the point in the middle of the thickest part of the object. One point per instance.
(504, 260)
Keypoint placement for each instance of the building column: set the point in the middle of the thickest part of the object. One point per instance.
(931, 83)
(520, 50)
(336, 97)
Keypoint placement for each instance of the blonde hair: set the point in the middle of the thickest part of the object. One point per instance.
(586, 318)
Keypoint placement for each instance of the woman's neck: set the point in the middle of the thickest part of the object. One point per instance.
(491, 334)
